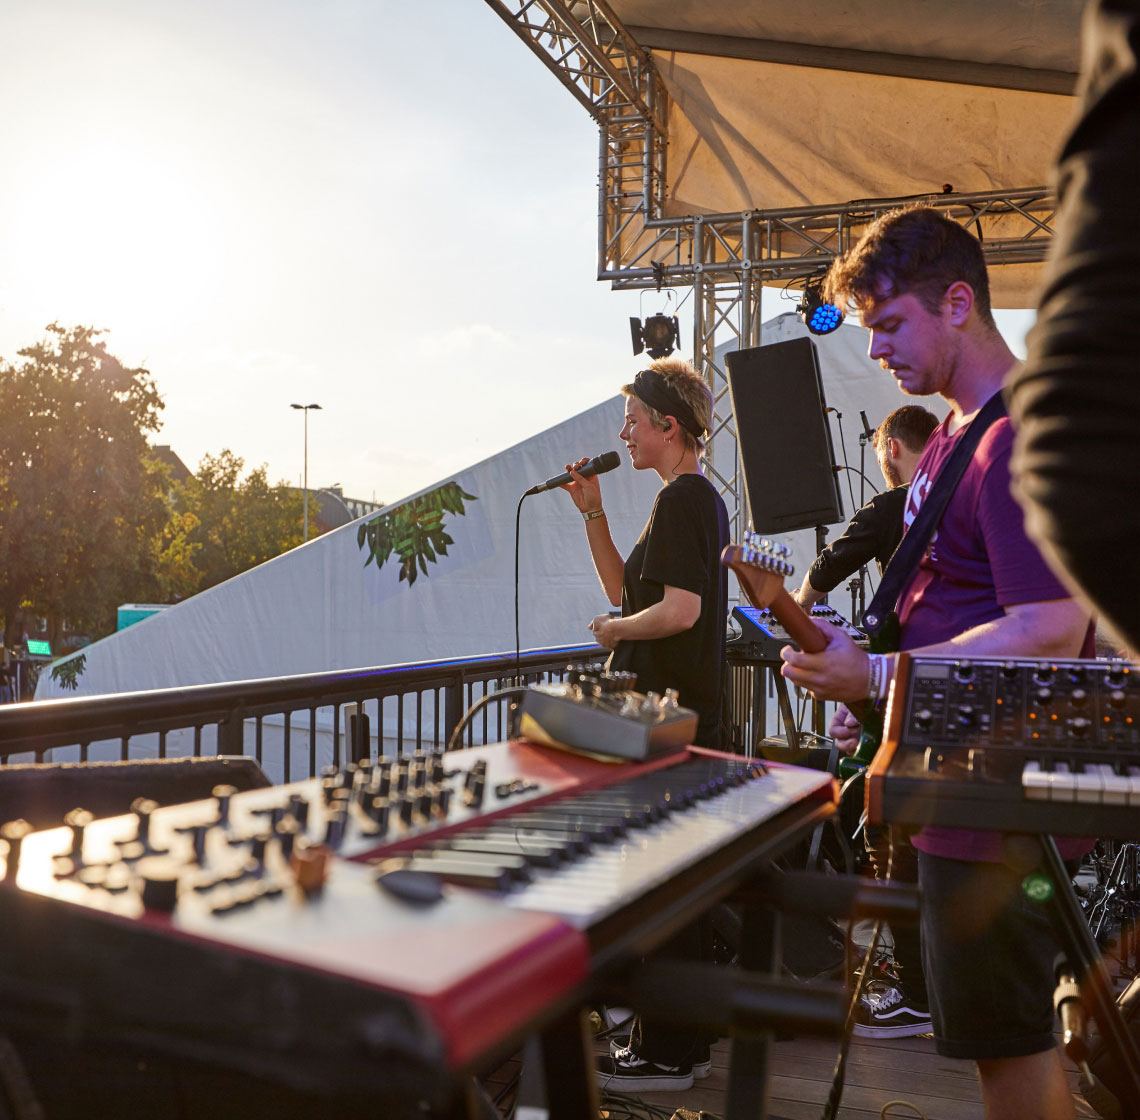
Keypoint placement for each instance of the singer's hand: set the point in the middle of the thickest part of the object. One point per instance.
(586, 493)
(603, 630)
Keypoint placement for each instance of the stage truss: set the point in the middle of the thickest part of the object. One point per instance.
(725, 258)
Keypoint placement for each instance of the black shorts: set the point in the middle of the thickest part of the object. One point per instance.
(988, 953)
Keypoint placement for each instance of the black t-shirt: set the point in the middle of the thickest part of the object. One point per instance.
(680, 546)
(872, 534)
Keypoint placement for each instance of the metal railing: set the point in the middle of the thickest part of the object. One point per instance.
(290, 725)
(293, 726)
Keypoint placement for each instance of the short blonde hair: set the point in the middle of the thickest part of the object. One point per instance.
(682, 380)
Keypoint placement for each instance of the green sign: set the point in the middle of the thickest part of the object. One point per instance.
(37, 648)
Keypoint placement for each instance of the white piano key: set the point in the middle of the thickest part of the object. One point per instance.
(1062, 783)
(1035, 782)
(1089, 783)
(1133, 773)
(1116, 786)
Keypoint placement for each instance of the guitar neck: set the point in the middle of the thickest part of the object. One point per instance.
(790, 615)
(762, 581)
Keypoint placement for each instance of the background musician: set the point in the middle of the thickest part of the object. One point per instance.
(673, 592)
(876, 529)
(982, 588)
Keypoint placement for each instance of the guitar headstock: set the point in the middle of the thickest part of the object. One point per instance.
(761, 565)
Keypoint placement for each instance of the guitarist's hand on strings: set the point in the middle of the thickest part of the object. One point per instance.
(839, 672)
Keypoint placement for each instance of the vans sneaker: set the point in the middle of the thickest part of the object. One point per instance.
(702, 1065)
(885, 1012)
(625, 1072)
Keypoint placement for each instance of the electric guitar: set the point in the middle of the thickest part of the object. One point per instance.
(761, 565)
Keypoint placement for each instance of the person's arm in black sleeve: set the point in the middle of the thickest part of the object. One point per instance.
(872, 534)
(1076, 401)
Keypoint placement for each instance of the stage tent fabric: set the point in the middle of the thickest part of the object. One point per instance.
(792, 105)
(323, 607)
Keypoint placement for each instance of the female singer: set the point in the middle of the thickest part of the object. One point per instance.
(672, 590)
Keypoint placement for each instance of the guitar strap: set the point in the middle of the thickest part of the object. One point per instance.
(906, 559)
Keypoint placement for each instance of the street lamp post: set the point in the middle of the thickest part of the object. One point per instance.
(305, 409)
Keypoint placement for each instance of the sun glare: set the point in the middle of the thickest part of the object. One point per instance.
(114, 235)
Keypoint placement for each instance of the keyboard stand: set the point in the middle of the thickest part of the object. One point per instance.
(1075, 937)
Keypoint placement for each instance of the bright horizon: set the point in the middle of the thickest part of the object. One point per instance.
(386, 209)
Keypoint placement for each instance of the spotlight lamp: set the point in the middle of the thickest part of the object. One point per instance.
(658, 337)
(820, 317)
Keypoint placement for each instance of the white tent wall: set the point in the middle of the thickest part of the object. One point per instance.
(319, 607)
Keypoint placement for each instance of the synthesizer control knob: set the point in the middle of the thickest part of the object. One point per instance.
(924, 719)
(286, 832)
(967, 716)
(159, 886)
(1079, 727)
(143, 807)
(223, 795)
(1116, 698)
(1043, 697)
(407, 808)
(1078, 698)
(14, 832)
(1043, 674)
(298, 808)
(77, 820)
(964, 672)
(1114, 678)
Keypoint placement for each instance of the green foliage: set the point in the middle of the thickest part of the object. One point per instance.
(68, 672)
(230, 524)
(414, 530)
(80, 504)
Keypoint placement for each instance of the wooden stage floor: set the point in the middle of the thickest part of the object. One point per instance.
(878, 1071)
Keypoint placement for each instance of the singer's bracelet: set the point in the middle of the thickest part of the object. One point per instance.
(590, 514)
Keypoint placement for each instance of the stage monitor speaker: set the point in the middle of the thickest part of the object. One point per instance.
(783, 436)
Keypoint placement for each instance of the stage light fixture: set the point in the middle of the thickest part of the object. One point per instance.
(658, 337)
(820, 317)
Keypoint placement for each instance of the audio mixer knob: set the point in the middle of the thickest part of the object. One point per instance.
(14, 832)
(77, 820)
(223, 794)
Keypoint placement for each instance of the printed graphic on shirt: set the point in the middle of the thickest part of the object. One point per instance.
(919, 488)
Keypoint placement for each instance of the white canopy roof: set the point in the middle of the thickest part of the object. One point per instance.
(823, 102)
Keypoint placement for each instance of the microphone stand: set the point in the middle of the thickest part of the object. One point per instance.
(857, 584)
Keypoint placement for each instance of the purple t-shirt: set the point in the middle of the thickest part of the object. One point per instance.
(979, 562)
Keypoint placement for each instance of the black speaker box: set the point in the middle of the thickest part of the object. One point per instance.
(783, 436)
(42, 793)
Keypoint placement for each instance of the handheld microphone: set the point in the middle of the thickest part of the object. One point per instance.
(599, 464)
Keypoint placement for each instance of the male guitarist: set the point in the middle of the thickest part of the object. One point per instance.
(919, 283)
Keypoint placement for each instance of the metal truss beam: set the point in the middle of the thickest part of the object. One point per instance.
(726, 258)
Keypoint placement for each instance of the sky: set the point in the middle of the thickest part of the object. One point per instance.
(388, 209)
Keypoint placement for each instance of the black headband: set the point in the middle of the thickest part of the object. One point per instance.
(652, 389)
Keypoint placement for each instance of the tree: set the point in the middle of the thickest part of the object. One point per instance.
(81, 504)
(237, 523)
